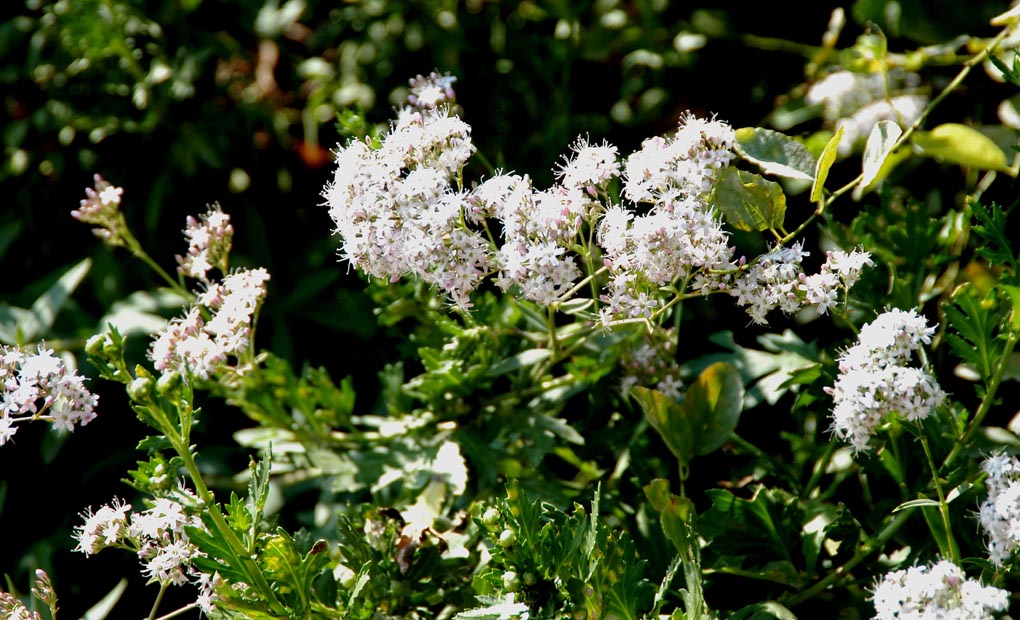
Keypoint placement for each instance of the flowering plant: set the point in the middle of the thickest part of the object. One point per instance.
(546, 447)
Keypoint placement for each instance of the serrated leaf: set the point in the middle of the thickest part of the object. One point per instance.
(775, 153)
(959, 144)
(880, 143)
(749, 201)
(991, 227)
(972, 321)
(825, 162)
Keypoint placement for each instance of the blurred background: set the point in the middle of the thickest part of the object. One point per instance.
(190, 102)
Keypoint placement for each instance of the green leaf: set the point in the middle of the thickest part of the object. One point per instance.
(676, 514)
(523, 359)
(825, 162)
(775, 153)
(44, 310)
(959, 144)
(713, 405)
(973, 319)
(996, 247)
(668, 418)
(916, 503)
(880, 143)
(764, 611)
(750, 202)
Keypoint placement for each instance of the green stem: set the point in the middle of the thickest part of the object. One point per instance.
(159, 599)
(954, 549)
(871, 546)
(818, 470)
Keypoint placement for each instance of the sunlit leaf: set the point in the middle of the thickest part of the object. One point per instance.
(880, 143)
(959, 144)
(750, 202)
(775, 153)
(713, 405)
(825, 162)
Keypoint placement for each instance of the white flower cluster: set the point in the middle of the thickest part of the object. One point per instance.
(101, 207)
(938, 591)
(875, 381)
(776, 280)
(217, 327)
(396, 210)
(1000, 512)
(40, 386)
(858, 101)
(209, 240)
(157, 535)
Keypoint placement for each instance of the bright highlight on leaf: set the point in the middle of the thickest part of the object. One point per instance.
(775, 153)
(880, 144)
(825, 162)
(959, 144)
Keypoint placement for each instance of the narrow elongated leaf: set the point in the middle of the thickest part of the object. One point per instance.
(750, 202)
(775, 153)
(521, 360)
(880, 143)
(959, 144)
(825, 162)
(916, 503)
(48, 305)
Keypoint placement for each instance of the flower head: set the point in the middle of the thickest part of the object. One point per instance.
(940, 590)
(209, 239)
(875, 380)
(40, 386)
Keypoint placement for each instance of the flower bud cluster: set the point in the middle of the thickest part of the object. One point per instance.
(940, 590)
(41, 386)
(209, 240)
(652, 362)
(101, 208)
(875, 381)
(13, 609)
(1000, 512)
(858, 101)
(777, 280)
(218, 327)
(157, 535)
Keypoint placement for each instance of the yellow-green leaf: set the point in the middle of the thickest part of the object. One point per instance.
(880, 143)
(959, 144)
(749, 201)
(825, 163)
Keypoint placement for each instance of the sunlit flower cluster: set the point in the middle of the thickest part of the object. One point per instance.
(397, 211)
(777, 280)
(209, 239)
(875, 381)
(1000, 512)
(101, 208)
(218, 327)
(157, 535)
(858, 101)
(432, 91)
(940, 590)
(40, 386)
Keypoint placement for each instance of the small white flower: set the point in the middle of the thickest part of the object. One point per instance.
(940, 590)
